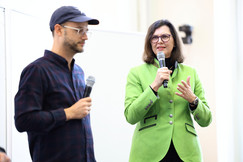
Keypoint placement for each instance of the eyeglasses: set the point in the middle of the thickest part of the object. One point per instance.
(164, 38)
(80, 31)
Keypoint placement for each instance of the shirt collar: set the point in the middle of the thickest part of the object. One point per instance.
(57, 58)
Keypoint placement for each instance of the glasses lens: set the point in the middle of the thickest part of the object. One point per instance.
(165, 37)
(155, 39)
(85, 32)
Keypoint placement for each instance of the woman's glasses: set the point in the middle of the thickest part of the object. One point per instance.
(164, 38)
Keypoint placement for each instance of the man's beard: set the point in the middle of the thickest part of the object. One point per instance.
(72, 45)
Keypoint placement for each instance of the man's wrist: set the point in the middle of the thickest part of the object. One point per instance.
(67, 113)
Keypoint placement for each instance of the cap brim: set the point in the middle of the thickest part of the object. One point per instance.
(90, 21)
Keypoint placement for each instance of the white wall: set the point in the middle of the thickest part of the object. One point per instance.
(239, 101)
(3, 128)
(229, 77)
(225, 52)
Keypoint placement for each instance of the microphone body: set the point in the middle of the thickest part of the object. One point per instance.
(89, 84)
(161, 58)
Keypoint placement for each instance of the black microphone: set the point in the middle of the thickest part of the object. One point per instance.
(161, 58)
(89, 84)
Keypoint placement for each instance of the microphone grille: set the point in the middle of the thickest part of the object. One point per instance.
(90, 81)
(160, 55)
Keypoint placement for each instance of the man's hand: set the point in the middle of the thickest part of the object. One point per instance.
(79, 110)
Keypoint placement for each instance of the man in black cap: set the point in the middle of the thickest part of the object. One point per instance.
(49, 103)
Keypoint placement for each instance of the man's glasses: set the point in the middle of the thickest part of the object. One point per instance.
(80, 31)
(164, 37)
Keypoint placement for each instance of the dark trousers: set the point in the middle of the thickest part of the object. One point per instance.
(171, 155)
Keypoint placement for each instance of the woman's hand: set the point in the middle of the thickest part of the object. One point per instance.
(186, 92)
(162, 74)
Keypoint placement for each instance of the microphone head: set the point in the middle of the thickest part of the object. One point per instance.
(160, 55)
(90, 81)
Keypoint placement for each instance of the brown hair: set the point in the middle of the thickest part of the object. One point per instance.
(176, 54)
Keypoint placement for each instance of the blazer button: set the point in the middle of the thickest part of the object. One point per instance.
(171, 122)
(171, 115)
(171, 101)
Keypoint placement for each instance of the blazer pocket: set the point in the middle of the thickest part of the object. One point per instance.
(149, 119)
(190, 129)
(148, 126)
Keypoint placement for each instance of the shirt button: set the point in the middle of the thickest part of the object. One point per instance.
(171, 101)
(171, 122)
(171, 115)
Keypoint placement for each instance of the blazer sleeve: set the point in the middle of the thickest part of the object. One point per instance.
(138, 100)
(202, 114)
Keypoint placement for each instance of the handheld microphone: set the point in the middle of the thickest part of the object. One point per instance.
(161, 58)
(89, 84)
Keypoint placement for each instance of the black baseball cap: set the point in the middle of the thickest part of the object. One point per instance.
(70, 13)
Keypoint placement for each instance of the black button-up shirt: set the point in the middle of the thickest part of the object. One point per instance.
(46, 88)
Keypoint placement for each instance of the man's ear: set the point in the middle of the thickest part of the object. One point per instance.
(58, 29)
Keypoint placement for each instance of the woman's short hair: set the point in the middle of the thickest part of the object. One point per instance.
(176, 54)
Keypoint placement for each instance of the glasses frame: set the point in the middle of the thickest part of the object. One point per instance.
(88, 33)
(161, 37)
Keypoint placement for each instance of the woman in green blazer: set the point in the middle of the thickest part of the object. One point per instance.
(164, 116)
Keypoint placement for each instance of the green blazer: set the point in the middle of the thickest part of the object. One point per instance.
(165, 117)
